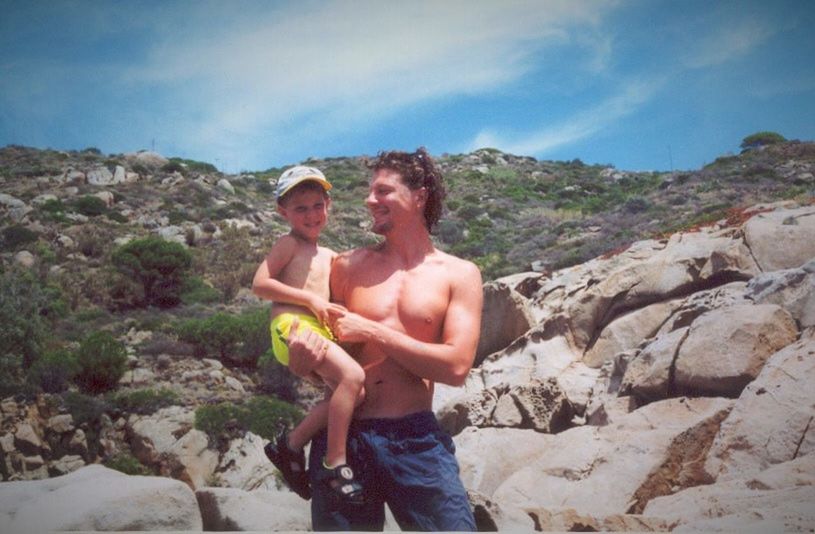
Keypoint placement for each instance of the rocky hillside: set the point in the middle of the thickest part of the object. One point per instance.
(645, 369)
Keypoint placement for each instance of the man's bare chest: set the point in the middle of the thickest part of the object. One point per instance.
(406, 301)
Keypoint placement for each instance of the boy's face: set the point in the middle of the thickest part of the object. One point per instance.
(306, 212)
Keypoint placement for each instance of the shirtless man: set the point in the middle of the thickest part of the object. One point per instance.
(414, 317)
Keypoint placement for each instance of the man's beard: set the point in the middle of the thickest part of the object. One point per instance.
(382, 228)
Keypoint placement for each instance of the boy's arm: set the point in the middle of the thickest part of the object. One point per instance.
(266, 284)
(448, 361)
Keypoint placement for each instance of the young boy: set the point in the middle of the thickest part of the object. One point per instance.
(295, 276)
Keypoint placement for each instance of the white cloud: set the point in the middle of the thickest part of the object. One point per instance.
(579, 126)
(733, 40)
(346, 62)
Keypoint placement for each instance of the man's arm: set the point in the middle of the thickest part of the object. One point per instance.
(448, 361)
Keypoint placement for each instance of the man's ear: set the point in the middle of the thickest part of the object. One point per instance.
(421, 196)
(281, 210)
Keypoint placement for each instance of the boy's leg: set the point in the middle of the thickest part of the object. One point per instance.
(329, 514)
(314, 421)
(347, 379)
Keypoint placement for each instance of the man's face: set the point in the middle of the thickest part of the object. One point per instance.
(391, 203)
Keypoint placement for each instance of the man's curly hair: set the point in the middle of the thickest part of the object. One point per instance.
(417, 170)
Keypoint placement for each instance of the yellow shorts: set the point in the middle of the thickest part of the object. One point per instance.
(281, 326)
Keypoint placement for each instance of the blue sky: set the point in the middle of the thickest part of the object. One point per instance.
(248, 85)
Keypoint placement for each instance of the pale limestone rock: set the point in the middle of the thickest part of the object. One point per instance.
(61, 423)
(65, 242)
(106, 196)
(687, 262)
(39, 200)
(792, 289)
(78, 443)
(100, 176)
(148, 159)
(734, 506)
(599, 470)
(772, 421)
(27, 440)
(782, 239)
(138, 377)
(7, 443)
(245, 466)
(234, 384)
(488, 456)
(25, 259)
(726, 348)
(491, 517)
(527, 284)
(119, 176)
(648, 375)
(225, 185)
(167, 440)
(505, 317)
(263, 511)
(96, 498)
(569, 520)
(10, 202)
(628, 331)
(65, 465)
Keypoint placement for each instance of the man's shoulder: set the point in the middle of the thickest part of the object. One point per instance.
(359, 254)
(454, 262)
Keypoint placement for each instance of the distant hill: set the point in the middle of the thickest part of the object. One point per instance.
(507, 213)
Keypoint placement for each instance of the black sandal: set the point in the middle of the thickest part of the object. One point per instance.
(292, 465)
(344, 487)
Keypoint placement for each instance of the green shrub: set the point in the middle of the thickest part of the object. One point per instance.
(128, 464)
(761, 139)
(264, 416)
(196, 166)
(144, 401)
(173, 166)
(17, 236)
(91, 206)
(117, 216)
(24, 311)
(195, 290)
(160, 266)
(234, 339)
(84, 409)
(276, 379)
(101, 363)
(53, 370)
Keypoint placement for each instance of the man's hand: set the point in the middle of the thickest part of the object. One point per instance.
(353, 328)
(325, 310)
(306, 350)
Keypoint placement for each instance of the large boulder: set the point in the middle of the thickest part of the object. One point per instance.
(245, 466)
(726, 348)
(97, 498)
(793, 229)
(792, 289)
(772, 420)
(167, 441)
(778, 499)
(718, 354)
(628, 331)
(597, 293)
(506, 316)
(607, 470)
(233, 509)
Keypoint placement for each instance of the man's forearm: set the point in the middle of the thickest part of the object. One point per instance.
(439, 362)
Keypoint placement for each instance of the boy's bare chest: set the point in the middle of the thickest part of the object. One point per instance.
(309, 269)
